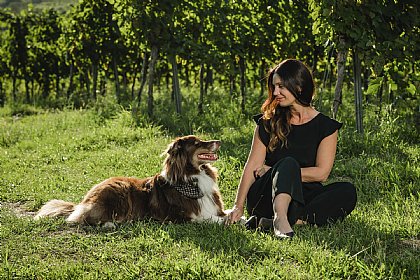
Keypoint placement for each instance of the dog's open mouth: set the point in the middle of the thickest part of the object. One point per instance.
(208, 156)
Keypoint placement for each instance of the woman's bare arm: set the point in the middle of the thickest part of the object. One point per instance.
(255, 161)
(324, 160)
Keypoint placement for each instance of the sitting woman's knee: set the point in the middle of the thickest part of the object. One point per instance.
(287, 162)
(350, 195)
(351, 189)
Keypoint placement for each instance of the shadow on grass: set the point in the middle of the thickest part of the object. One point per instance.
(213, 239)
(378, 251)
(391, 253)
(216, 239)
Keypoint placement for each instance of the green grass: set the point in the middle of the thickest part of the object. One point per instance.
(61, 154)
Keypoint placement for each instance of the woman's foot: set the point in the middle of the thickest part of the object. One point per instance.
(282, 228)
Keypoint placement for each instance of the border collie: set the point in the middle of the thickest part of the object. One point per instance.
(185, 190)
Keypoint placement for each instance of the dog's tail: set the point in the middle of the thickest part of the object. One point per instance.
(55, 208)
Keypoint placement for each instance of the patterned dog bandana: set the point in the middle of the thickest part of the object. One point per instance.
(190, 190)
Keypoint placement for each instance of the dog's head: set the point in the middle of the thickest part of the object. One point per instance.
(185, 155)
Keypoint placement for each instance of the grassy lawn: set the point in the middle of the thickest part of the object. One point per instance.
(62, 154)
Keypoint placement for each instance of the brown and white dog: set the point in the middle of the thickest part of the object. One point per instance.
(185, 190)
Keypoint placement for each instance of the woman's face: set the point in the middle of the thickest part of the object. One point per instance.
(281, 94)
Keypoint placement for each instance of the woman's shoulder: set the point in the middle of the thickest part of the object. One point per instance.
(262, 133)
(327, 120)
(328, 125)
(257, 118)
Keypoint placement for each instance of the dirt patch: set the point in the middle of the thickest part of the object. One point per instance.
(412, 243)
(18, 208)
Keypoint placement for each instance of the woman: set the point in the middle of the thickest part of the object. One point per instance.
(292, 152)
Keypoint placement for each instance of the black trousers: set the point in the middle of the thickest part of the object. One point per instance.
(311, 202)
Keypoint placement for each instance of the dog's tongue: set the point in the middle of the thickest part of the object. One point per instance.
(207, 156)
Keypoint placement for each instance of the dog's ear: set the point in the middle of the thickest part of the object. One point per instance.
(172, 148)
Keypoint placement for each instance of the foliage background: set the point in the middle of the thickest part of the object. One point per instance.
(56, 57)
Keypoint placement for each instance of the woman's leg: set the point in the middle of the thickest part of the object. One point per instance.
(286, 186)
(283, 178)
(281, 206)
(258, 200)
(333, 203)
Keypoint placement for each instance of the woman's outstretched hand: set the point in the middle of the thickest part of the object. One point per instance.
(235, 214)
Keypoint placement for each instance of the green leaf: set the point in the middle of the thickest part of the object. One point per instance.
(411, 88)
(393, 86)
(374, 86)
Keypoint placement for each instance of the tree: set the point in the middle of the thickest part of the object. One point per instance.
(5, 71)
(92, 40)
(16, 46)
(149, 23)
(46, 59)
(372, 31)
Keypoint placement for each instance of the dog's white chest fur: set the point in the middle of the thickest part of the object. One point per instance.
(209, 208)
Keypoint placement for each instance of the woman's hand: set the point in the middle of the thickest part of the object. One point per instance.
(259, 172)
(234, 215)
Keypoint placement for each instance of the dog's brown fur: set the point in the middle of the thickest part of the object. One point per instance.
(121, 199)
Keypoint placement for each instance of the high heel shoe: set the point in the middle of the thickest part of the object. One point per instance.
(262, 224)
(251, 223)
(277, 233)
(287, 235)
(265, 224)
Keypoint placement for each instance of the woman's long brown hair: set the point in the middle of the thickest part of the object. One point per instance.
(297, 78)
(278, 118)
